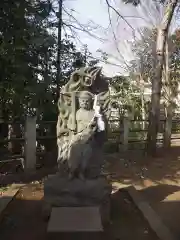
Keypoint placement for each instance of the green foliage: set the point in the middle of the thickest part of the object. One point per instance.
(28, 59)
(25, 43)
(145, 59)
(127, 95)
(174, 61)
(28, 67)
(144, 55)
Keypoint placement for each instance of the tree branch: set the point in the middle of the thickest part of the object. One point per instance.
(115, 39)
(122, 17)
(81, 27)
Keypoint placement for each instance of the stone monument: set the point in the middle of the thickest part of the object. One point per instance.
(81, 132)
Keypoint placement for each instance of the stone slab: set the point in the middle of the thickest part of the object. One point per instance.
(75, 219)
(7, 197)
(154, 220)
(77, 236)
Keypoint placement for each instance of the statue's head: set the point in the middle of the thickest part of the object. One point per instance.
(85, 100)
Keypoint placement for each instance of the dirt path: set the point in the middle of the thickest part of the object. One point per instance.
(23, 218)
(158, 179)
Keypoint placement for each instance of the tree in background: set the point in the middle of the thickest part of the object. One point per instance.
(24, 40)
(162, 32)
(126, 96)
(28, 63)
(144, 65)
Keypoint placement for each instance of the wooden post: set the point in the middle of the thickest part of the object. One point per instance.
(30, 143)
(125, 133)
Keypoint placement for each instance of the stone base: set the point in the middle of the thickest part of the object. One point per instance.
(76, 236)
(62, 192)
(75, 219)
(75, 223)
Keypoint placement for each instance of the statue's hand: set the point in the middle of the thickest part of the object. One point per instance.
(93, 124)
(71, 129)
(62, 132)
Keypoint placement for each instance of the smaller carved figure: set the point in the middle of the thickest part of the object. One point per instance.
(80, 150)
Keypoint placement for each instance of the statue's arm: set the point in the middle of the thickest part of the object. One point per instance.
(70, 124)
(93, 124)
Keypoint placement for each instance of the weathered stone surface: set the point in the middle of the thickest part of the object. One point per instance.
(62, 192)
(81, 132)
(82, 121)
(75, 219)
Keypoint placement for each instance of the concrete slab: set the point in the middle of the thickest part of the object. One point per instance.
(154, 220)
(75, 219)
(7, 197)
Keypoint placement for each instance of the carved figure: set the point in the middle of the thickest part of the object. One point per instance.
(83, 108)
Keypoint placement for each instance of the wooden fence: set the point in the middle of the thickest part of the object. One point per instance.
(122, 133)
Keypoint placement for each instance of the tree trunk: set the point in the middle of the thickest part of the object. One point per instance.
(58, 75)
(157, 80)
(3, 125)
(143, 110)
(169, 105)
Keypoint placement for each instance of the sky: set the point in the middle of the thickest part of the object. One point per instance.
(118, 47)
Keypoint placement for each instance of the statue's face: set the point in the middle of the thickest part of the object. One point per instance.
(85, 102)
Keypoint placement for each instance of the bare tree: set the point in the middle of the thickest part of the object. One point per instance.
(62, 21)
(58, 62)
(162, 30)
(157, 80)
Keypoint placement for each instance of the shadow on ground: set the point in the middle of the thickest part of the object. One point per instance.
(127, 222)
(23, 219)
(25, 177)
(130, 167)
(165, 200)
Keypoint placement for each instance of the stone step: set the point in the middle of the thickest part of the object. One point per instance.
(75, 222)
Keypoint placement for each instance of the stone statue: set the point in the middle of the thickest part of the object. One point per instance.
(81, 131)
(80, 150)
(77, 128)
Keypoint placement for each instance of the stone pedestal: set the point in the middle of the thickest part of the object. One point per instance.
(83, 222)
(62, 192)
